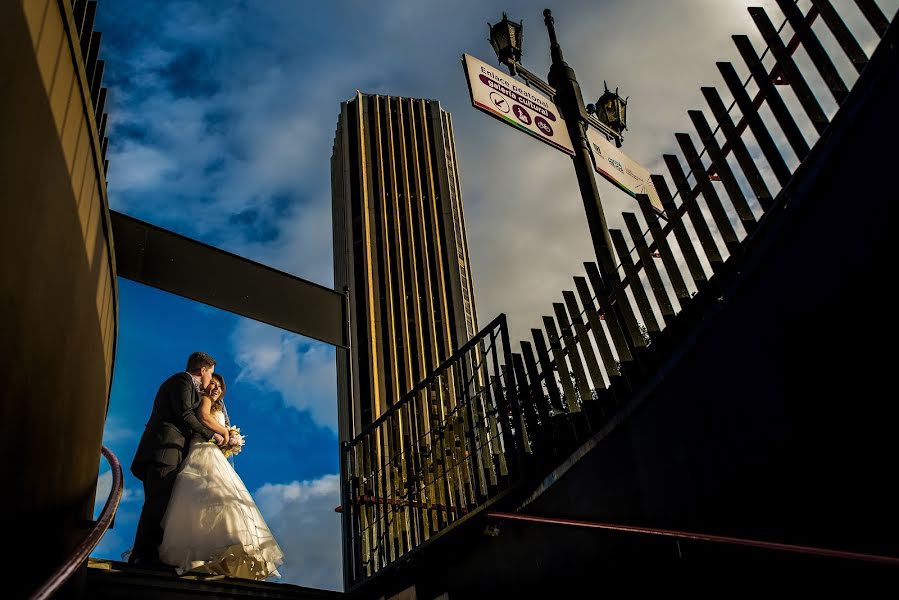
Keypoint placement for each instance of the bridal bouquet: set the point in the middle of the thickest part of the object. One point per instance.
(235, 442)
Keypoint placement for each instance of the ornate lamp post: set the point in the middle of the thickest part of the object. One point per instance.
(611, 110)
(506, 37)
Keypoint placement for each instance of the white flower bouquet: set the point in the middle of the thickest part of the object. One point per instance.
(236, 442)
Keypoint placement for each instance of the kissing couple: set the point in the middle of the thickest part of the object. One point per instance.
(197, 514)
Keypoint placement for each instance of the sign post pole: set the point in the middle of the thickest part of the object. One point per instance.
(571, 104)
(555, 114)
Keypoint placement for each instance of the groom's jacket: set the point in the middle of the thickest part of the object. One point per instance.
(172, 423)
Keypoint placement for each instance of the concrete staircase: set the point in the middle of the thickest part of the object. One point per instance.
(111, 580)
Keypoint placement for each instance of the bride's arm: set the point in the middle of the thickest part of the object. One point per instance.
(204, 413)
(181, 392)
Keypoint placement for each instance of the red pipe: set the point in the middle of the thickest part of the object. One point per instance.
(874, 558)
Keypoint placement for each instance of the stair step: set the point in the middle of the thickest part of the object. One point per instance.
(107, 579)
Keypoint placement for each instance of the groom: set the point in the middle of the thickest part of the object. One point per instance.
(164, 445)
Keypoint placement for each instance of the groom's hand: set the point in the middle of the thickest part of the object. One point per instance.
(219, 439)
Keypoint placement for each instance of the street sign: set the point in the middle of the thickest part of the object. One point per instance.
(619, 168)
(507, 99)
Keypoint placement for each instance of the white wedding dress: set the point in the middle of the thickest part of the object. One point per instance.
(212, 524)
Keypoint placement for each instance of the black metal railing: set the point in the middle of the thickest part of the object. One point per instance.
(584, 362)
(449, 447)
(416, 472)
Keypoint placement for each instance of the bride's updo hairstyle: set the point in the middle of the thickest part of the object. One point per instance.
(219, 403)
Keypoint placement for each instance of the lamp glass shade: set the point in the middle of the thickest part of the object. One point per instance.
(611, 109)
(506, 38)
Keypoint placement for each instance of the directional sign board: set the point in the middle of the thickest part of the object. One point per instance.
(619, 168)
(507, 99)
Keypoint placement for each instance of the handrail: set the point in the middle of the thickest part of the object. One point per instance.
(427, 380)
(371, 500)
(703, 537)
(81, 552)
(451, 478)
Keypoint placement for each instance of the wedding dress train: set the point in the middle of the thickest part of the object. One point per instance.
(212, 524)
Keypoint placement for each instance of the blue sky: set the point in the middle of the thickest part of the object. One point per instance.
(286, 447)
(221, 121)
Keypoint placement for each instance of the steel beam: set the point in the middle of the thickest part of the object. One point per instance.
(167, 261)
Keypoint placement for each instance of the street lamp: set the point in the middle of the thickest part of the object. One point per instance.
(506, 38)
(611, 110)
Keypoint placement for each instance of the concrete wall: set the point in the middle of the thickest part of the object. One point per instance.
(58, 307)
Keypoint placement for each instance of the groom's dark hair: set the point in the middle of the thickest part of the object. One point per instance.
(198, 360)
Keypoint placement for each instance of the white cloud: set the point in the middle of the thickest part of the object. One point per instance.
(267, 127)
(140, 167)
(302, 518)
(116, 430)
(104, 487)
(302, 372)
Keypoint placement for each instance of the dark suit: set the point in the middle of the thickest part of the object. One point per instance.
(162, 447)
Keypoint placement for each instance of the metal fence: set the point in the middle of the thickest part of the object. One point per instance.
(416, 472)
(606, 337)
(449, 447)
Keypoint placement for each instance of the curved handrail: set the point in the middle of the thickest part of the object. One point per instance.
(83, 550)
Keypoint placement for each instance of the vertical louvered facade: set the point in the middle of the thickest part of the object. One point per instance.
(399, 247)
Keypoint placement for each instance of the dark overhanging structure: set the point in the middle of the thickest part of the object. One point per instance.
(159, 258)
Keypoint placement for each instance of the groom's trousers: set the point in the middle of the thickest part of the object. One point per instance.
(158, 484)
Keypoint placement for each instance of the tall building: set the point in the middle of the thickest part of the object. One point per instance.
(399, 248)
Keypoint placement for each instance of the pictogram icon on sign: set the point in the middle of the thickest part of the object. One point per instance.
(522, 114)
(499, 102)
(543, 125)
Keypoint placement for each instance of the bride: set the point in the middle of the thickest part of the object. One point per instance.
(212, 524)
